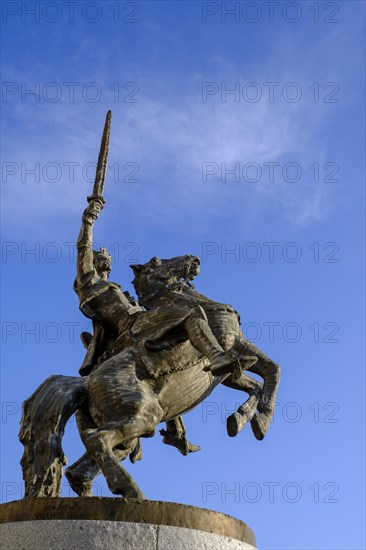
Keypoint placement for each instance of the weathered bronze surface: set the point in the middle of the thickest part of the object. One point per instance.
(135, 511)
(147, 361)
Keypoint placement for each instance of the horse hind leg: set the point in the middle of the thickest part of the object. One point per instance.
(100, 444)
(81, 473)
(141, 414)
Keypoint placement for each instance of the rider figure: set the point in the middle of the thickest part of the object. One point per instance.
(113, 313)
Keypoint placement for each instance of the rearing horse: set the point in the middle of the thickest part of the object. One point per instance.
(142, 367)
(153, 374)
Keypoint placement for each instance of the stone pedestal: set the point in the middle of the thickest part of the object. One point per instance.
(115, 524)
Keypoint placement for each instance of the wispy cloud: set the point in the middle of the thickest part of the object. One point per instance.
(169, 133)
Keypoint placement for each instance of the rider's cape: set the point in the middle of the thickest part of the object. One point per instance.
(97, 344)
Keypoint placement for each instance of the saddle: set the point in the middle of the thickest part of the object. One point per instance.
(170, 353)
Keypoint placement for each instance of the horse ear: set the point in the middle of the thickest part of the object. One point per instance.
(136, 268)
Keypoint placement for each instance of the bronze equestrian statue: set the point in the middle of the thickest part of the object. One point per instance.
(147, 361)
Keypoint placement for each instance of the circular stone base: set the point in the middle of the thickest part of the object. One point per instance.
(112, 523)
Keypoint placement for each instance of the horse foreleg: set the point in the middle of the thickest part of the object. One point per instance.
(236, 422)
(261, 421)
(270, 372)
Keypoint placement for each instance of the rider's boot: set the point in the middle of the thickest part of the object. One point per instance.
(222, 363)
(204, 340)
(176, 435)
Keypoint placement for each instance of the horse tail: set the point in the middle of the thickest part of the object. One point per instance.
(42, 427)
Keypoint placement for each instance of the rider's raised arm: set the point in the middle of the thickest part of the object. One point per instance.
(96, 202)
(85, 240)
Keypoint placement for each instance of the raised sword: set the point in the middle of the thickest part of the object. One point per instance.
(102, 161)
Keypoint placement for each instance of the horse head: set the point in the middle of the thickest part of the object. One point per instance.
(158, 272)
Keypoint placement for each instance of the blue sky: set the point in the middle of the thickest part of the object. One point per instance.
(292, 214)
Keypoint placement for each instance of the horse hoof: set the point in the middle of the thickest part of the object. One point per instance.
(233, 424)
(236, 422)
(260, 424)
(81, 487)
(132, 493)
